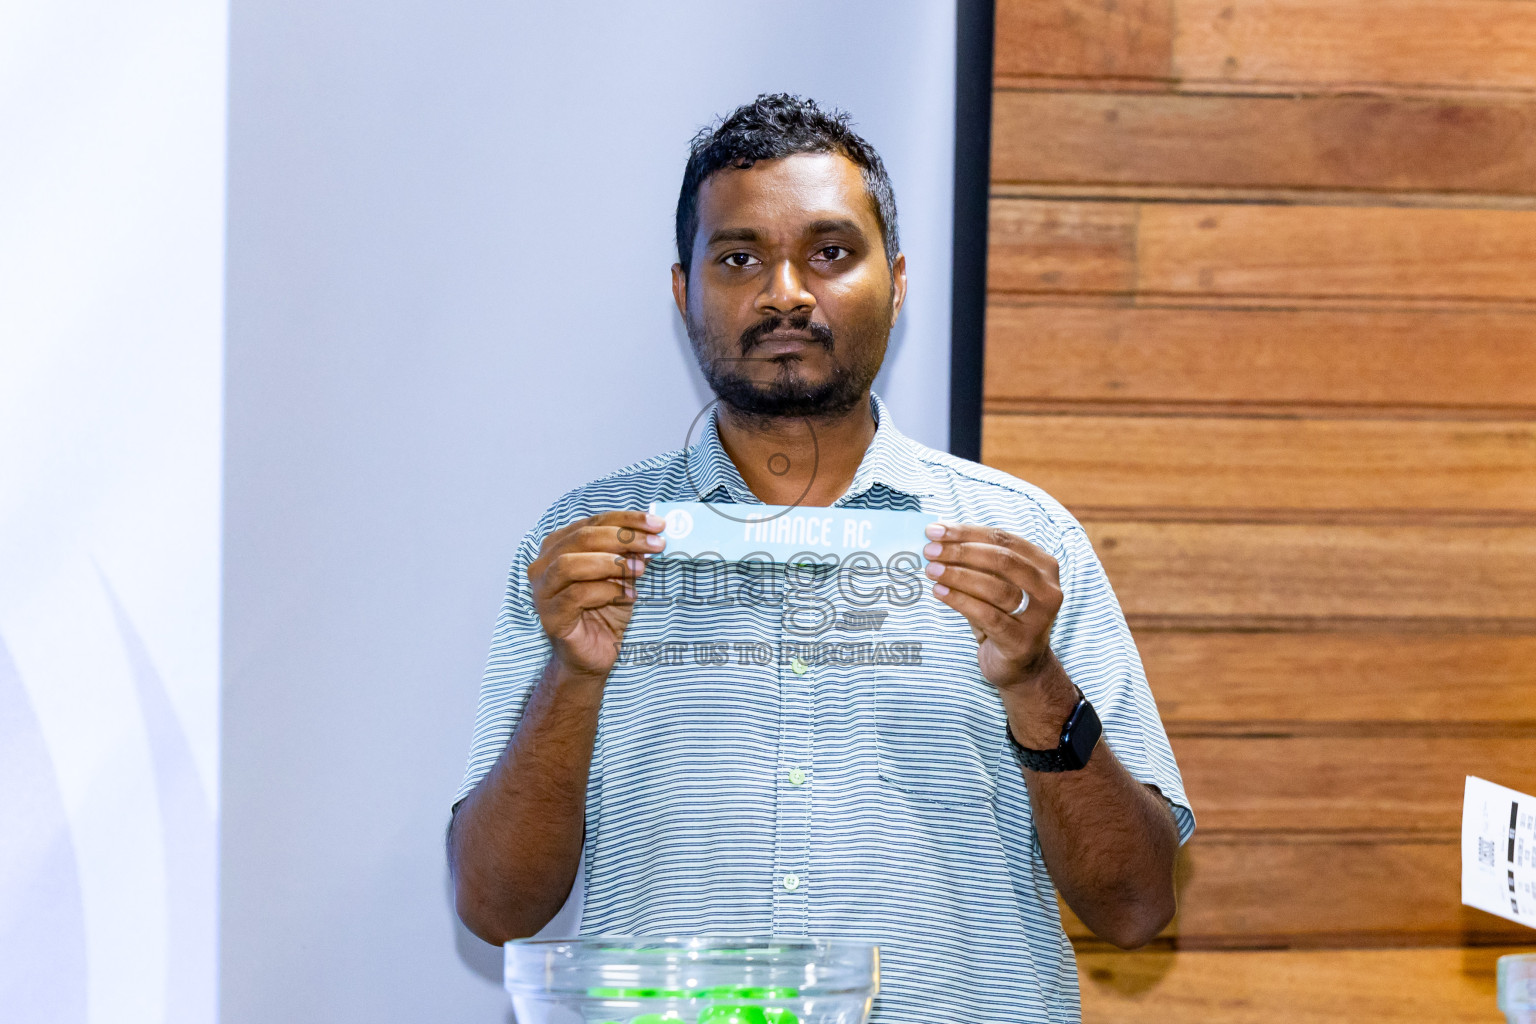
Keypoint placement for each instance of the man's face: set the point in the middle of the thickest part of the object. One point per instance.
(790, 299)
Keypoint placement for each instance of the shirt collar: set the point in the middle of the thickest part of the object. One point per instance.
(891, 460)
(712, 476)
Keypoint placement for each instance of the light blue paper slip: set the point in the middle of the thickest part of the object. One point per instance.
(787, 533)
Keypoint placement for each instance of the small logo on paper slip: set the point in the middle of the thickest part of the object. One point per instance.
(679, 524)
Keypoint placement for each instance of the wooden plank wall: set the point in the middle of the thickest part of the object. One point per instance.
(1262, 313)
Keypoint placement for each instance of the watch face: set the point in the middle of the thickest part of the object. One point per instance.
(1078, 738)
(1083, 736)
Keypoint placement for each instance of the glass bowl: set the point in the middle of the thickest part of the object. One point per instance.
(1517, 988)
(753, 980)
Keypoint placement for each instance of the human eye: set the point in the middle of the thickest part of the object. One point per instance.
(832, 253)
(740, 259)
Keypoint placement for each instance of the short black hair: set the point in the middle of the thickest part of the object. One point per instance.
(773, 126)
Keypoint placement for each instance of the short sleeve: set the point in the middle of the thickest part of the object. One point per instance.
(1093, 643)
(519, 651)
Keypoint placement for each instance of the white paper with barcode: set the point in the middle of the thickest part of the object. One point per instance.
(1498, 851)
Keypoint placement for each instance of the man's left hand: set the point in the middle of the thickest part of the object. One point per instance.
(985, 574)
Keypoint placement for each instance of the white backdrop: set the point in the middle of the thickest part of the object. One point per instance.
(445, 301)
(111, 276)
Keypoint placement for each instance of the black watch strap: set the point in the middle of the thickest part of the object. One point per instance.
(1078, 738)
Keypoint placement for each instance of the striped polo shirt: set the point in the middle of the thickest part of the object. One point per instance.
(780, 752)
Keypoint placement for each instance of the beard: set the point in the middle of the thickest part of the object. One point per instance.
(789, 394)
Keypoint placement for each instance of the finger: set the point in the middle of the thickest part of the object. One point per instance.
(581, 567)
(1001, 562)
(614, 539)
(994, 535)
(1002, 594)
(620, 519)
(982, 615)
(566, 607)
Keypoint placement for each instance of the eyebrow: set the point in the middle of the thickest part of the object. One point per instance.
(733, 235)
(830, 226)
(833, 227)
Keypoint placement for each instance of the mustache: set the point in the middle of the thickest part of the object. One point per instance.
(753, 336)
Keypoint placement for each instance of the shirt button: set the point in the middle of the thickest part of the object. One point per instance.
(791, 882)
(797, 666)
(796, 777)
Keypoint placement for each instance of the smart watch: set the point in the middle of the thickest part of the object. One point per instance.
(1078, 738)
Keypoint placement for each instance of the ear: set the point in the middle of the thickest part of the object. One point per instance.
(680, 289)
(898, 285)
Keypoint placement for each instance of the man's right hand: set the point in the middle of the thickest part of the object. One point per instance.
(515, 842)
(584, 585)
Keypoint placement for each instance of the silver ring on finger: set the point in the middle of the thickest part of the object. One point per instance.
(1023, 603)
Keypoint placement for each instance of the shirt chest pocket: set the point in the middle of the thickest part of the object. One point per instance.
(940, 733)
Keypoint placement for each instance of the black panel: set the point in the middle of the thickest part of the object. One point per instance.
(973, 155)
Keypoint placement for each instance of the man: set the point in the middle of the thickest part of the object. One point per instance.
(930, 804)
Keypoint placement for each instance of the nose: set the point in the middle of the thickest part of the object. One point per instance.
(784, 292)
